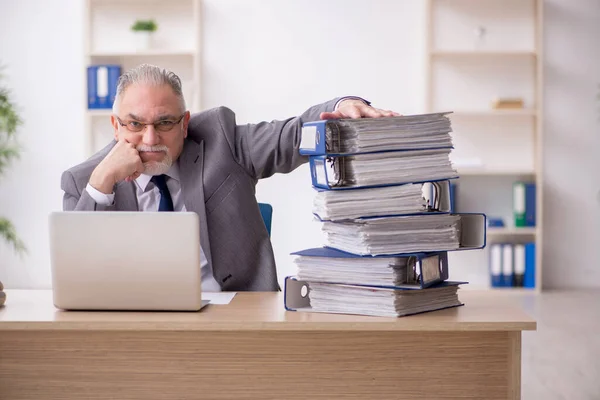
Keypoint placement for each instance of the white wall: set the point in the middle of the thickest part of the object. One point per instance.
(572, 144)
(41, 47)
(271, 59)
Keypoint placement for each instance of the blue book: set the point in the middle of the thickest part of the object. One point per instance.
(530, 204)
(529, 279)
(102, 85)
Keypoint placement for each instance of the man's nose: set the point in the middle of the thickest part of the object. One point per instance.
(151, 137)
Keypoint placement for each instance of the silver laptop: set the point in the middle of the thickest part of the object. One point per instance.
(126, 261)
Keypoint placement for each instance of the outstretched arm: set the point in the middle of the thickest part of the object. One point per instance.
(267, 148)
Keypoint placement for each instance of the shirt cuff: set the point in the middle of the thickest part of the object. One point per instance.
(99, 197)
(350, 98)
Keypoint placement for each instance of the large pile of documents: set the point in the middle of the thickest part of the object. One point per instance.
(382, 197)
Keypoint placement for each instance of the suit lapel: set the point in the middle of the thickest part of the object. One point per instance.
(191, 167)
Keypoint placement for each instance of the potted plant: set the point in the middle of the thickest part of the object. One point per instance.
(143, 30)
(9, 122)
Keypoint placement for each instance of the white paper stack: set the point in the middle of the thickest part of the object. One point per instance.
(350, 204)
(364, 300)
(423, 131)
(389, 168)
(382, 271)
(394, 235)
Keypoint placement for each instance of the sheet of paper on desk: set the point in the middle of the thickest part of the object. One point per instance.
(218, 297)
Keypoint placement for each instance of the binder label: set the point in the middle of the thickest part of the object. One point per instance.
(309, 138)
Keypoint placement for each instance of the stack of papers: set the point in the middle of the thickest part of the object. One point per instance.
(383, 302)
(349, 204)
(380, 271)
(394, 235)
(410, 132)
(389, 168)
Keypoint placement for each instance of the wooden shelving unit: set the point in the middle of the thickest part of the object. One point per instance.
(109, 40)
(476, 51)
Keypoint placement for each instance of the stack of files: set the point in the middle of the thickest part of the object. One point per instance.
(406, 234)
(408, 271)
(376, 286)
(378, 151)
(353, 136)
(329, 205)
(381, 169)
(383, 199)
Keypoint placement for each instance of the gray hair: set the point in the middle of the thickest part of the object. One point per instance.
(151, 75)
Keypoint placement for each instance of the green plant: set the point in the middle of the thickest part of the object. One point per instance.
(144, 25)
(9, 150)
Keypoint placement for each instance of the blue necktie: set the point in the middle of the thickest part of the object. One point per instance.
(166, 203)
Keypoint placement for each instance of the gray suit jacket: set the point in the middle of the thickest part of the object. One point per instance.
(220, 165)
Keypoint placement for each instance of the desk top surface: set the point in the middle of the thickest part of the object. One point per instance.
(34, 310)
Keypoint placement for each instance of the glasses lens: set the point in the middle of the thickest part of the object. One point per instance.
(135, 126)
(164, 126)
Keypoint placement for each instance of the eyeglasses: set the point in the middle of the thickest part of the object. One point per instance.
(163, 126)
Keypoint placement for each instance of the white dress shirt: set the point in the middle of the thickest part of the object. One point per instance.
(148, 197)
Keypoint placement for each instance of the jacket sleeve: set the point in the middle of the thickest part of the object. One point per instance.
(73, 200)
(266, 148)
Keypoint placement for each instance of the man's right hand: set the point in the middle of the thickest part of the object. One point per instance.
(122, 163)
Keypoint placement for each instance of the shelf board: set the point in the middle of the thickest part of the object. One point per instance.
(476, 53)
(143, 53)
(482, 171)
(512, 290)
(528, 230)
(527, 112)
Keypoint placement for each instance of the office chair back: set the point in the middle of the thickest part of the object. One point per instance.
(266, 210)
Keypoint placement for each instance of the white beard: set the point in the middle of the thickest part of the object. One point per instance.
(156, 167)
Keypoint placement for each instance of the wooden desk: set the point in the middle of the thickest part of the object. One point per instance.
(254, 349)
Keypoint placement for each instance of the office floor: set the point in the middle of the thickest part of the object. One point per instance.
(561, 360)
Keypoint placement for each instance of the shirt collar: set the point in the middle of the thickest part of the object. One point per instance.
(143, 180)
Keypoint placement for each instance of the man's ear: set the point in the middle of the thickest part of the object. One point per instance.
(186, 121)
(115, 124)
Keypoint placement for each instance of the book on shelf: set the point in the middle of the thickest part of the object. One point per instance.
(524, 204)
(512, 265)
(102, 82)
(367, 135)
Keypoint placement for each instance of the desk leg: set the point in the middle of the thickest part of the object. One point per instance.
(265, 365)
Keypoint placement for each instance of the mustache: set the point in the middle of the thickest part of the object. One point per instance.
(143, 147)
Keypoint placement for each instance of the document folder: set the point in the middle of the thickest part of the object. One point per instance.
(385, 302)
(418, 270)
(367, 135)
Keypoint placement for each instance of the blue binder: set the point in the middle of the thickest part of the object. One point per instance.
(297, 293)
(102, 85)
(314, 141)
(439, 199)
(431, 268)
(322, 173)
(530, 204)
(529, 279)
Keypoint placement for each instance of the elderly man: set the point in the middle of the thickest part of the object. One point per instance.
(162, 159)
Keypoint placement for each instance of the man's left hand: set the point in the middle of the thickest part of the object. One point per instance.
(355, 108)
